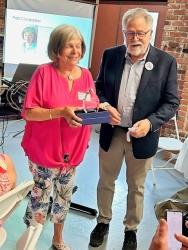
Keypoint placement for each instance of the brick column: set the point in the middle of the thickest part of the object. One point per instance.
(175, 42)
(2, 5)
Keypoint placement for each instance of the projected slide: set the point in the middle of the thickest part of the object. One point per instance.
(27, 35)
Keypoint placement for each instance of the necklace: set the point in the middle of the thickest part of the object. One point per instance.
(68, 74)
(70, 77)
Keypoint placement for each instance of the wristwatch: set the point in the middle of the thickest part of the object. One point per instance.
(105, 105)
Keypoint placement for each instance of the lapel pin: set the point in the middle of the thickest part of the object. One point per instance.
(149, 65)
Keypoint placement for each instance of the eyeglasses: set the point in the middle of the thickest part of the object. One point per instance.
(139, 34)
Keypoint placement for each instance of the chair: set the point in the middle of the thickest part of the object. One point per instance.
(168, 144)
(8, 203)
(182, 160)
(29, 238)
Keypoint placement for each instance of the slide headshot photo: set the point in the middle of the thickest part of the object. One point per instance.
(29, 36)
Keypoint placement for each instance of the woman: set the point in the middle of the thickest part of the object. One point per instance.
(29, 35)
(7, 174)
(54, 139)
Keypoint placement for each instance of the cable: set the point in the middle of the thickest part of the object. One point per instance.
(14, 89)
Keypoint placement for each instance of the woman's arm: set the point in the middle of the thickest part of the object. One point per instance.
(11, 171)
(42, 114)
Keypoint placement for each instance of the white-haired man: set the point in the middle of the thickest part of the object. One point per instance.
(137, 84)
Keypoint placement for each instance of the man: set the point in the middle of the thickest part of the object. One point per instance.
(137, 82)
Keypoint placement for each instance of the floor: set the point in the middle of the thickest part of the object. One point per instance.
(78, 225)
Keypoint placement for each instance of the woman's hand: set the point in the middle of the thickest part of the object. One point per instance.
(72, 119)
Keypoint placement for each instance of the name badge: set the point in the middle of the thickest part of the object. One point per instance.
(84, 96)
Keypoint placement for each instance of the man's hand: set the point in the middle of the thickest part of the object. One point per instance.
(160, 239)
(140, 128)
(114, 115)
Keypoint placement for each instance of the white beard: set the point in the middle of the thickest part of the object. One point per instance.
(137, 51)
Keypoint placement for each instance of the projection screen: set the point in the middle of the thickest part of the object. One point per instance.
(42, 16)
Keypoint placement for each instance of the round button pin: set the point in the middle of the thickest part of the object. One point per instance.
(149, 65)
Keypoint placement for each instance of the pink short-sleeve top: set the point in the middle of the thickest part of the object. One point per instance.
(53, 143)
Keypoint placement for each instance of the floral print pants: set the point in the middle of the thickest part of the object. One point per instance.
(46, 180)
